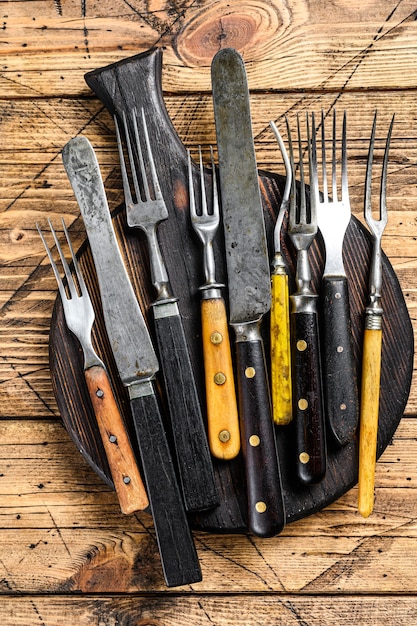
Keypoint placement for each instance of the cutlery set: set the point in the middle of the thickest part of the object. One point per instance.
(312, 386)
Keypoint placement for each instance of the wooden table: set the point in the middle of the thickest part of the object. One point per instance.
(67, 554)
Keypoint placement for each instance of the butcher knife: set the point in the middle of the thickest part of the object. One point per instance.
(249, 286)
(137, 365)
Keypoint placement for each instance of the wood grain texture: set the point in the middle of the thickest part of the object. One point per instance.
(61, 530)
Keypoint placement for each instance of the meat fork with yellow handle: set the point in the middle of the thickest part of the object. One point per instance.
(372, 343)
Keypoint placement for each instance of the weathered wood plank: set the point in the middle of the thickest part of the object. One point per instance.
(201, 611)
(296, 45)
(61, 530)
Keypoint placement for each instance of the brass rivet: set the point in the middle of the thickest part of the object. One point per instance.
(339, 349)
(301, 345)
(216, 338)
(343, 407)
(224, 436)
(250, 372)
(254, 440)
(302, 404)
(260, 507)
(337, 295)
(219, 378)
(304, 457)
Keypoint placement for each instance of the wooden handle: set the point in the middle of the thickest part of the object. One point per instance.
(339, 368)
(176, 545)
(222, 413)
(281, 385)
(308, 400)
(368, 423)
(120, 456)
(189, 433)
(266, 512)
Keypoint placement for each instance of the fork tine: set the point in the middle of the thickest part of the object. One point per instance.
(293, 199)
(216, 210)
(53, 265)
(345, 188)
(202, 185)
(368, 180)
(334, 160)
(125, 179)
(80, 278)
(191, 188)
(323, 160)
(155, 181)
(303, 205)
(383, 194)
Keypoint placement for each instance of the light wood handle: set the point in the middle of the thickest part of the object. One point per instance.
(222, 413)
(281, 385)
(368, 427)
(124, 470)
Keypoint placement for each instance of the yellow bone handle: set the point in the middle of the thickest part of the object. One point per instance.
(222, 413)
(120, 456)
(281, 387)
(368, 427)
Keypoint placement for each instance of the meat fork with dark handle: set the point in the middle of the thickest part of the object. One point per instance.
(372, 341)
(308, 412)
(79, 317)
(189, 435)
(222, 413)
(339, 368)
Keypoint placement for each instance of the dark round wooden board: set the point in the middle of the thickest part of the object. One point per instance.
(120, 86)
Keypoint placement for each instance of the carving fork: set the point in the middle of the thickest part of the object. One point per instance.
(372, 342)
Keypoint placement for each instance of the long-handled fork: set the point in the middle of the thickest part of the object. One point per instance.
(79, 317)
(146, 211)
(339, 369)
(372, 342)
(307, 386)
(222, 413)
(281, 381)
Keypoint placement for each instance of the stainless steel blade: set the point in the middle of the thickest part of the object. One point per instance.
(245, 239)
(127, 331)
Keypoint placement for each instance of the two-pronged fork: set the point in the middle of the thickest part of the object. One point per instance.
(79, 317)
(372, 343)
(281, 381)
(307, 387)
(222, 413)
(188, 429)
(339, 368)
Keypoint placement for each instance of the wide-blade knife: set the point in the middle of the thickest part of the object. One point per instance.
(249, 288)
(137, 365)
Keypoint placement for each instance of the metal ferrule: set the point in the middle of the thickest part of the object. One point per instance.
(278, 265)
(374, 312)
(304, 300)
(165, 308)
(141, 389)
(248, 331)
(211, 292)
(373, 321)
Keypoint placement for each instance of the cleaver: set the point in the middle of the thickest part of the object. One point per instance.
(249, 286)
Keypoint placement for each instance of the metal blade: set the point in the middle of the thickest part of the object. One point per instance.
(244, 228)
(126, 328)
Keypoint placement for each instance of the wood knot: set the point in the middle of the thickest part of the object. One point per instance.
(228, 24)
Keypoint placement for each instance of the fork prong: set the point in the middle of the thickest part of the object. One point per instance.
(334, 160)
(368, 180)
(125, 179)
(216, 210)
(141, 161)
(53, 265)
(303, 204)
(204, 210)
(323, 159)
(80, 278)
(345, 188)
(191, 194)
(70, 281)
(154, 175)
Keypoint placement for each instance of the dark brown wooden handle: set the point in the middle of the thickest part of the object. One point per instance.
(176, 546)
(120, 456)
(340, 387)
(266, 513)
(308, 412)
(188, 428)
